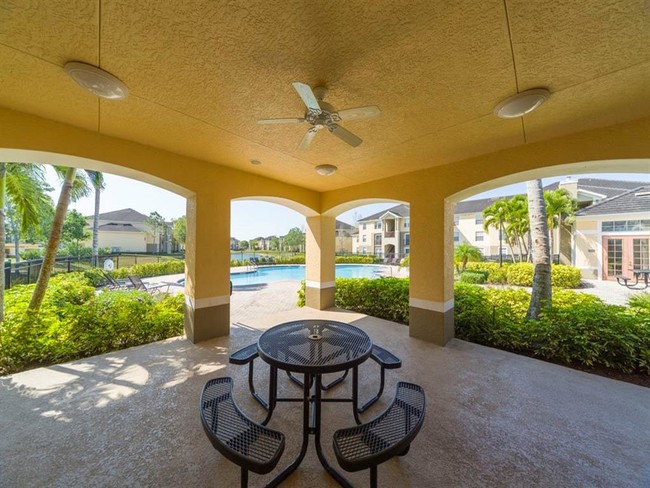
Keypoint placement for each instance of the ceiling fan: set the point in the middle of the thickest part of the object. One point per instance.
(322, 115)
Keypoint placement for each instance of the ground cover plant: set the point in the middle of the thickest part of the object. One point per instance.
(75, 322)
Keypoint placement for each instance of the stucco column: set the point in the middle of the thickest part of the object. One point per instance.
(320, 253)
(431, 301)
(207, 268)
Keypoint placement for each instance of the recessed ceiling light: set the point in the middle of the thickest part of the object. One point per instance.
(521, 103)
(256, 162)
(96, 80)
(326, 169)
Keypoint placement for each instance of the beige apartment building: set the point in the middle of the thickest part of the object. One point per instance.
(610, 235)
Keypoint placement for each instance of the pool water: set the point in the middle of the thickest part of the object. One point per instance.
(284, 273)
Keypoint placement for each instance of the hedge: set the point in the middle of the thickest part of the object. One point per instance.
(75, 322)
(521, 274)
(473, 277)
(384, 297)
(96, 275)
(578, 328)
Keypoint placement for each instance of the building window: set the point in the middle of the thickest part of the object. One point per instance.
(364, 226)
(626, 226)
(378, 224)
(407, 223)
(407, 240)
(363, 238)
(456, 219)
(478, 219)
(377, 239)
(456, 236)
(478, 237)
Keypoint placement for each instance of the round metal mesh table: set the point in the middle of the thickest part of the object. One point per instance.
(314, 346)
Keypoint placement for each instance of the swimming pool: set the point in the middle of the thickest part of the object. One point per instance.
(269, 274)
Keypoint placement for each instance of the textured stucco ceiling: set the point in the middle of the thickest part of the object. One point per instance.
(201, 73)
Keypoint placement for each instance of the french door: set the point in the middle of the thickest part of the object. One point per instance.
(622, 255)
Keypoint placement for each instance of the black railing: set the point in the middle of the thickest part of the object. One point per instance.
(26, 272)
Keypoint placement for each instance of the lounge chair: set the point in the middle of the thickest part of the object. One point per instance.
(138, 284)
(113, 284)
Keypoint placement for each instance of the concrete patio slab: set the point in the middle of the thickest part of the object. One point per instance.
(130, 418)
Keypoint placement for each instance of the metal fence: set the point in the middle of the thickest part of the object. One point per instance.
(26, 272)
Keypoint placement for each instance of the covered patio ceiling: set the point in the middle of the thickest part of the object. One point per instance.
(201, 73)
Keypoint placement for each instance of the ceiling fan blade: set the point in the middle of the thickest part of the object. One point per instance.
(308, 137)
(359, 113)
(280, 121)
(307, 96)
(345, 135)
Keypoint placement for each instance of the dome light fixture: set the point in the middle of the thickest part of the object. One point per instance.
(522, 103)
(256, 162)
(326, 169)
(96, 80)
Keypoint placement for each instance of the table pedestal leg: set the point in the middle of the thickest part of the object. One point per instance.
(273, 393)
(305, 435)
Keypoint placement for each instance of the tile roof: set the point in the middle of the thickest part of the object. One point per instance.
(476, 206)
(118, 228)
(632, 201)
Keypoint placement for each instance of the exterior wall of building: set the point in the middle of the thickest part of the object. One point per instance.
(588, 248)
(124, 241)
(375, 238)
(343, 244)
(468, 229)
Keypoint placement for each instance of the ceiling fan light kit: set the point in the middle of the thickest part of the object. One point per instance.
(96, 80)
(522, 103)
(321, 115)
(326, 169)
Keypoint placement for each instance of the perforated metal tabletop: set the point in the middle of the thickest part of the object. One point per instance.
(314, 346)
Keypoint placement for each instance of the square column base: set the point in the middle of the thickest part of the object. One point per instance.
(206, 323)
(319, 298)
(431, 326)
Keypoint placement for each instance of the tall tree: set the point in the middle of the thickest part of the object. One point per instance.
(74, 186)
(179, 230)
(97, 181)
(560, 209)
(74, 231)
(496, 215)
(156, 223)
(294, 239)
(517, 224)
(542, 291)
(23, 186)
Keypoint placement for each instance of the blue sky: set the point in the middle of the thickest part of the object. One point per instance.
(250, 219)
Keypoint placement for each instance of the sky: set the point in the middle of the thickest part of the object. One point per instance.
(250, 219)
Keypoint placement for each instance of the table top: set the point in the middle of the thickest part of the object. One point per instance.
(314, 346)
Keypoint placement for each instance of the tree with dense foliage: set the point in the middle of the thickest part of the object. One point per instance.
(243, 245)
(466, 252)
(74, 231)
(294, 239)
(74, 186)
(274, 245)
(97, 180)
(560, 209)
(23, 190)
(542, 292)
(496, 215)
(156, 223)
(179, 230)
(517, 225)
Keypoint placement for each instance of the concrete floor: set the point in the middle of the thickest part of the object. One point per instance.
(130, 418)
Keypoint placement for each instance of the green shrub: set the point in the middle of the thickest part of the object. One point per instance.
(361, 259)
(297, 259)
(473, 277)
(386, 298)
(75, 322)
(406, 262)
(578, 328)
(147, 270)
(520, 274)
(565, 276)
(495, 273)
(31, 254)
(640, 302)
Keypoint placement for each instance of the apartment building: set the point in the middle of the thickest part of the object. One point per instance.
(385, 234)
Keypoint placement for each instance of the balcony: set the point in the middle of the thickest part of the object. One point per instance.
(493, 418)
(389, 233)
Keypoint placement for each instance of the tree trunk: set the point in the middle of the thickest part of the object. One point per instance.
(3, 184)
(542, 292)
(96, 227)
(53, 241)
(16, 237)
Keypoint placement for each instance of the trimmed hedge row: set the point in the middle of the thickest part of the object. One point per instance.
(74, 322)
(578, 328)
(386, 298)
(96, 276)
(521, 274)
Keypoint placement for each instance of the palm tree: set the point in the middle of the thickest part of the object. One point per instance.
(517, 225)
(496, 215)
(464, 252)
(542, 292)
(97, 180)
(560, 207)
(74, 186)
(24, 186)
